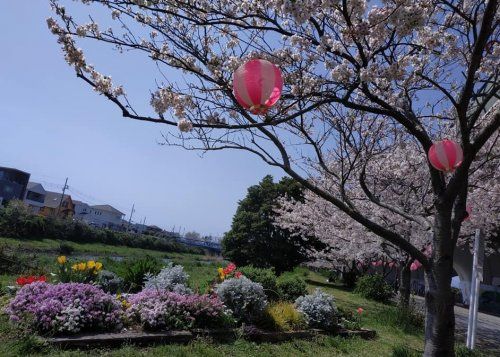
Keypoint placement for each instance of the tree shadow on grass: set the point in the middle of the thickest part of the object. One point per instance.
(329, 285)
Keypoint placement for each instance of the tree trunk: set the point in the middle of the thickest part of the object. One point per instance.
(404, 286)
(440, 315)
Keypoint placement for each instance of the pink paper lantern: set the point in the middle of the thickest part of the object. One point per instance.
(257, 85)
(415, 265)
(445, 155)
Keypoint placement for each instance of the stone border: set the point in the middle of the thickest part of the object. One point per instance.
(182, 337)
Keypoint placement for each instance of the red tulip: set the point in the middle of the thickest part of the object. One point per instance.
(21, 281)
(25, 280)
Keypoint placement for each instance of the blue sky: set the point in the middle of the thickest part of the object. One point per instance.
(54, 126)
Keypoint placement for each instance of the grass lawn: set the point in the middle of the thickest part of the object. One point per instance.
(43, 253)
(202, 268)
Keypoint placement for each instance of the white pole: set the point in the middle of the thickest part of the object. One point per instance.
(472, 300)
(474, 320)
(477, 277)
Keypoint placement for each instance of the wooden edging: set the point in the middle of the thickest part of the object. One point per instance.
(221, 335)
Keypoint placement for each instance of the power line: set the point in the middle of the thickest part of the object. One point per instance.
(46, 181)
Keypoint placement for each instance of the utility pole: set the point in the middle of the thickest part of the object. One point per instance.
(130, 219)
(62, 196)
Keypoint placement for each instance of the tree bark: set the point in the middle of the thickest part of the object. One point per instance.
(404, 286)
(440, 315)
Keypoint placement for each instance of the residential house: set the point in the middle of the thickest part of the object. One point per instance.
(82, 210)
(105, 216)
(13, 183)
(35, 196)
(55, 207)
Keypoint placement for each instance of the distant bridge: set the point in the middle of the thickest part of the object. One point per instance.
(213, 246)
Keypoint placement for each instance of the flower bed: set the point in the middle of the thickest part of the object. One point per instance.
(167, 309)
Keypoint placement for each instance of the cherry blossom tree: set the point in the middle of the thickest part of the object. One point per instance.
(394, 176)
(357, 78)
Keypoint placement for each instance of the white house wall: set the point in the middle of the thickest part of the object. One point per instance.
(102, 218)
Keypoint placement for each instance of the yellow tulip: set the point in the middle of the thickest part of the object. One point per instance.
(74, 266)
(91, 264)
(221, 273)
(61, 259)
(98, 265)
(82, 266)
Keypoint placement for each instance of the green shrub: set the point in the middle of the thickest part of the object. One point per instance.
(136, 270)
(265, 277)
(291, 287)
(16, 221)
(282, 316)
(403, 351)
(374, 287)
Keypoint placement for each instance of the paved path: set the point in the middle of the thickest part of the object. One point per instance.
(488, 328)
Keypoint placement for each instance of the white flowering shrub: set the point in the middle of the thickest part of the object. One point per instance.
(171, 278)
(243, 297)
(319, 309)
(109, 281)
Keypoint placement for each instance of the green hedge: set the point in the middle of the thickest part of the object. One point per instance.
(290, 287)
(374, 287)
(17, 222)
(266, 277)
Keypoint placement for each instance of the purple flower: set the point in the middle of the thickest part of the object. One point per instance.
(65, 308)
(163, 310)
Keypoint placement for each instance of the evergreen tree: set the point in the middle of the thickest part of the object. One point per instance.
(255, 240)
